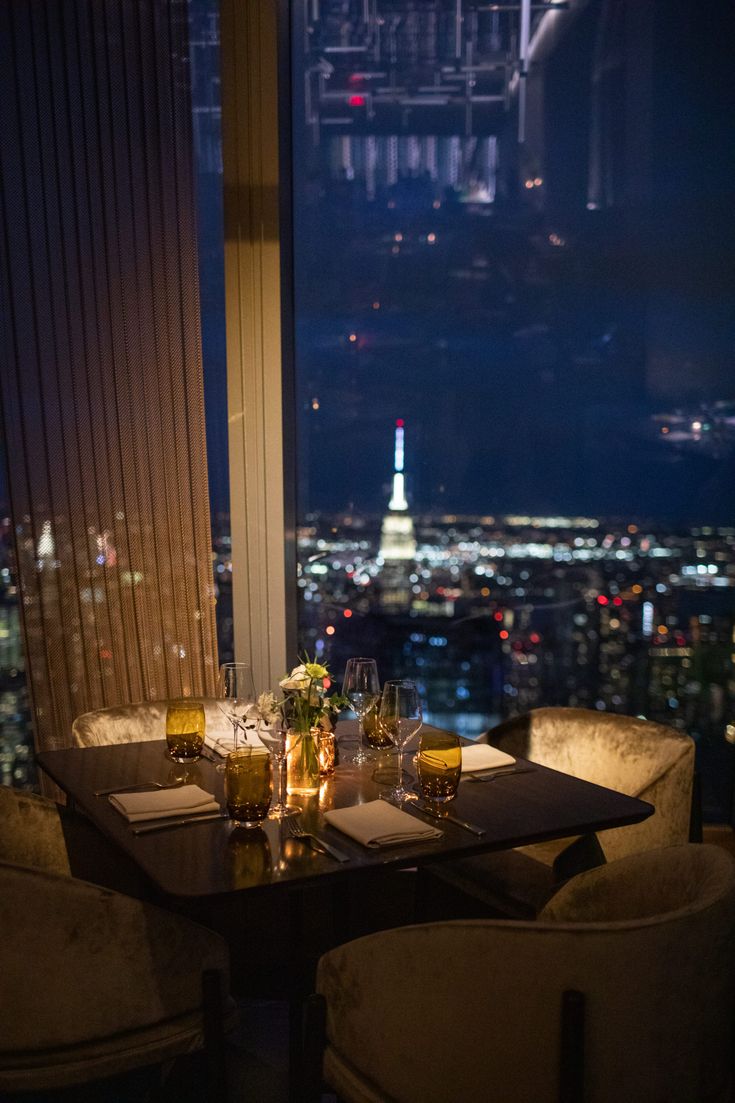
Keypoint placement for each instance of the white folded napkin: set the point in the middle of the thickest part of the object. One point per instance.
(222, 742)
(378, 823)
(187, 800)
(481, 756)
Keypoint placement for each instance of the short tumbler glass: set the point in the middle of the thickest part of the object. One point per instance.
(185, 730)
(248, 786)
(439, 766)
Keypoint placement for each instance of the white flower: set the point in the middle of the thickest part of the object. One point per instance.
(267, 708)
(297, 681)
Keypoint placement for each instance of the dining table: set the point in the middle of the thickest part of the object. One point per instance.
(528, 804)
(244, 882)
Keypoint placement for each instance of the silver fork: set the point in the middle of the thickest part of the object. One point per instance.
(139, 788)
(297, 832)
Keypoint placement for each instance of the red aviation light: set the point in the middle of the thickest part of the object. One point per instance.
(399, 423)
(356, 101)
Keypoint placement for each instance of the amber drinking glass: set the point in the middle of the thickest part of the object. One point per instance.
(327, 754)
(374, 734)
(439, 766)
(185, 730)
(248, 786)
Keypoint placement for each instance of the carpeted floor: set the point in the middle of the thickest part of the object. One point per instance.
(258, 1053)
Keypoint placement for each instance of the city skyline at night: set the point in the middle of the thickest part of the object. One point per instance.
(550, 315)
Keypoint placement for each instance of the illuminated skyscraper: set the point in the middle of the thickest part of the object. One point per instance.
(397, 540)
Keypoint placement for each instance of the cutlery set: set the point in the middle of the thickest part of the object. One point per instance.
(296, 831)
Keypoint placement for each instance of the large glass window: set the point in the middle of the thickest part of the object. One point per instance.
(16, 734)
(516, 399)
(204, 32)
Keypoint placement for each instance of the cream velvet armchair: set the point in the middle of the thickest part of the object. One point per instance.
(637, 757)
(136, 723)
(621, 991)
(94, 983)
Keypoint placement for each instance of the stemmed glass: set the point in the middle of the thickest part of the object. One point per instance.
(362, 688)
(235, 694)
(399, 716)
(274, 735)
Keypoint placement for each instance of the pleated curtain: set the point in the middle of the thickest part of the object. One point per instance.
(102, 394)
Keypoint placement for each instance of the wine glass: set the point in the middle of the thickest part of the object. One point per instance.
(399, 716)
(361, 687)
(235, 694)
(274, 735)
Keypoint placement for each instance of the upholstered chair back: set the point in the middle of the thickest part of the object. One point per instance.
(32, 833)
(473, 1010)
(136, 723)
(636, 757)
(93, 983)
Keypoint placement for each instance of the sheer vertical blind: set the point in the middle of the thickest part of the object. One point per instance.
(101, 388)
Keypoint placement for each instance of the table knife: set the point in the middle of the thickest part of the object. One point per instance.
(447, 817)
(144, 828)
(502, 771)
(319, 844)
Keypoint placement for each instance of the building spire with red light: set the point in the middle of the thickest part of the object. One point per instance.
(398, 498)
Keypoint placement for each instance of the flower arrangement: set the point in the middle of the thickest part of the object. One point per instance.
(307, 713)
(306, 705)
(303, 712)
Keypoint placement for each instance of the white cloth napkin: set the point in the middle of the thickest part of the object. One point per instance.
(222, 742)
(187, 800)
(378, 823)
(480, 756)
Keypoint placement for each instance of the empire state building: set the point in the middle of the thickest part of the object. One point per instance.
(397, 540)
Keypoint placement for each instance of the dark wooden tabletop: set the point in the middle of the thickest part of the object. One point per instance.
(212, 858)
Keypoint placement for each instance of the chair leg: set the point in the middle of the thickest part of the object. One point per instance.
(214, 1039)
(571, 1047)
(313, 1040)
(695, 817)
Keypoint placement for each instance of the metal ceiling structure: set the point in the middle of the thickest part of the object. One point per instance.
(420, 66)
